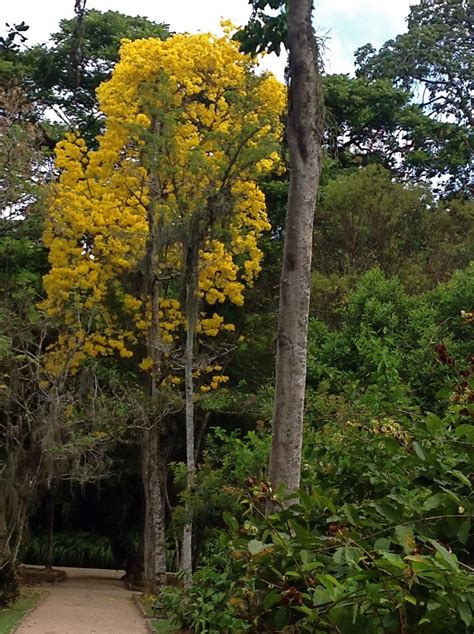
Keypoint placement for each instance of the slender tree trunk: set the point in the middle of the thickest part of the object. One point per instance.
(8, 578)
(153, 469)
(304, 128)
(22, 516)
(50, 552)
(191, 282)
(154, 573)
(4, 534)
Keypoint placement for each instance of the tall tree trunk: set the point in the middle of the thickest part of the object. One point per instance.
(13, 516)
(153, 469)
(303, 132)
(4, 533)
(154, 472)
(191, 299)
(154, 573)
(8, 579)
(50, 551)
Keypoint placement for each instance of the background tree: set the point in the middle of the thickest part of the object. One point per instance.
(433, 58)
(371, 120)
(57, 80)
(433, 61)
(21, 264)
(367, 219)
(170, 195)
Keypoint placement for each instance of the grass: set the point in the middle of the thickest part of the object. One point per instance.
(10, 617)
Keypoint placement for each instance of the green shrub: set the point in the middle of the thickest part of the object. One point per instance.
(205, 607)
(9, 589)
(380, 542)
(70, 549)
(381, 539)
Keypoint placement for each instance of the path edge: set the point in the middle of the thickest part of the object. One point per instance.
(136, 600)
(28, 612)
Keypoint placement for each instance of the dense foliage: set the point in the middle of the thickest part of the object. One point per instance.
(71, 549)
(182, 114)
(168, 170)
(381, 539)
(433, 61)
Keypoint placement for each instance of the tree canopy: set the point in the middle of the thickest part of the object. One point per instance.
(183, 141)
(145, 177)
(433, 62)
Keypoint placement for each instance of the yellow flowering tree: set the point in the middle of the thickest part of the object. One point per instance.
(160, 224)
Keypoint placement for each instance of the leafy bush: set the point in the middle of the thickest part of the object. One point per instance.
(381, 539)
(317, 568)
(70, 549)
(9, 590)
(205, 606)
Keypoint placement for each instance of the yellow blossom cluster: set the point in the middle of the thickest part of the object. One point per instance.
(189, 126)
(216, 381)
(211, 326)
(212, 377)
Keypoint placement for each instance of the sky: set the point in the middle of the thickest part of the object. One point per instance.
(347, 24)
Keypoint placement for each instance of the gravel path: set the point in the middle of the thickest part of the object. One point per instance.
(89, 602)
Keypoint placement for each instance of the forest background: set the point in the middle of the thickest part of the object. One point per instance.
(382, 537)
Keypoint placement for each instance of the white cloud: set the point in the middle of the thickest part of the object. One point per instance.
(394, 11)
(182, 15)
(380, 19)
(349, 24)
(337, 56)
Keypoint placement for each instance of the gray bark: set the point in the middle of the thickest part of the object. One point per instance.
(50, 549)
(191, 288)
(154, 573)
(153, 468)
(13, 516)
(304, 129)
(5, 551)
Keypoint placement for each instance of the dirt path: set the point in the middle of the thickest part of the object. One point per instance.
(89, 602)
